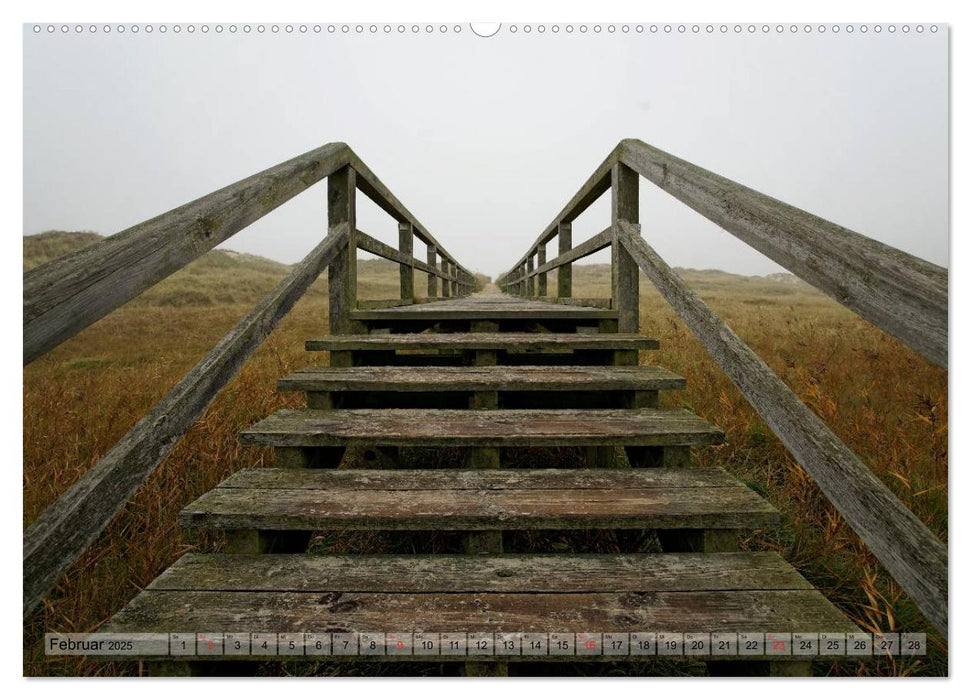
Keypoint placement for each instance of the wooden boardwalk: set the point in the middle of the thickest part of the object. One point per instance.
(481, 422)
(452, 386)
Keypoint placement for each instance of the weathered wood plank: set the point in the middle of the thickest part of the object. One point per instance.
(376, 247)
(432, 270)
(375, 190)
(588, 247)
(599, 302)
(911, 553)
(406, 271)
(564, 275)
(504, 378)
(54, 540)
(459, 510)
(342, 273)
(687, 611)
(900, 293)
(485, 307)
(66, 295)
(507, 428)
(624, 273)
(534, 342)
(478, 480)
(511, 573)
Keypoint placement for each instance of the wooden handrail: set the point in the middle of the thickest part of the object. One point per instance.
(896, 291)
(911, 553)
(66, 295)
(383, 250)
(56, 538)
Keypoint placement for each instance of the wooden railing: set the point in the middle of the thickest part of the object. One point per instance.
(902, 294)
(66, 295)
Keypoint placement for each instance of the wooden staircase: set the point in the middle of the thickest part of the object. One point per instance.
(497, 382)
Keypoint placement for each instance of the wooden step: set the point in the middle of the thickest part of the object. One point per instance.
(470, 428)
(509, 342)
(470, 379)
(307, 500)
(564, 594)
(485, 308)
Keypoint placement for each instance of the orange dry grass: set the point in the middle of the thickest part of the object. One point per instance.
(885, 402)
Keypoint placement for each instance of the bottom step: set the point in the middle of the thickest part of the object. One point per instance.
(443, 599)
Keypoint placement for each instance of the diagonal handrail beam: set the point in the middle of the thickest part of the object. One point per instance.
(898, 292)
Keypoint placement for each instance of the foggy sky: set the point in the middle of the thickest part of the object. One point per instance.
(485, 140)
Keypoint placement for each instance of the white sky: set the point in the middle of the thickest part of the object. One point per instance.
(485, 140)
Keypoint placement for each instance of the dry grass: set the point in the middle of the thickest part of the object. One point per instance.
(883, 400)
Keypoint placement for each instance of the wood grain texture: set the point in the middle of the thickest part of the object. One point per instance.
(900, 293)
(510, 573)
(478, 480)
(911, 553)
(505, 428)
(588, 247)
(482, 306)
(501, 378)
(375, 190)
(534, 342)
(55, 539)
(687, 611)
(373, 245)
(459, 510)
(64, 296)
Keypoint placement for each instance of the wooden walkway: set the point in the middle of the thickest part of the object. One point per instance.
(488, 420)
(464, 374)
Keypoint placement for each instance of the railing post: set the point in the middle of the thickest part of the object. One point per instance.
(530, 282)
(540, 261)
(443, 265)
(432, 278)
(455, 282)
(342, 272)
(521, 286)
(406, 236)
(624, 278)
(564, 274)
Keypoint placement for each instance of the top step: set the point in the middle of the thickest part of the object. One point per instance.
(512, 342)
(484, 307)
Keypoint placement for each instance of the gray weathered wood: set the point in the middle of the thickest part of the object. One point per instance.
(432, 269)
(404, 480)
(373, 245)
(505, 378)
(564, 274)
(589, 192)
(456, 510)
(535, 342)
(588, 247)
(911, 553)
(375, 190)
(406, 237)
(66, 295)
(511, 573)
(509, 428)
(541, 279)
(687, 611)
(624, 273)
(900, 293)
(485, 307)
(55, 539)
(342, 273)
